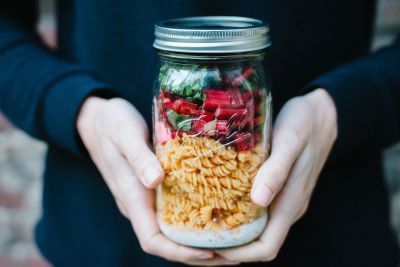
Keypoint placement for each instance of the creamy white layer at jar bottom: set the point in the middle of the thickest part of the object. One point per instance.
(215, 239)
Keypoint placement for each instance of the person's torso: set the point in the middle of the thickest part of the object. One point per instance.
(81, 225)
(114, 38)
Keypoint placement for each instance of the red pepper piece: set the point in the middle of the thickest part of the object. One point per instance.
(213, 104)
(221, 94)
(214, 98)
(186, 108)
(230, 111)
(203, 114)
(242, 122)
(165, 94)
(244, 141)
(222, 127)
(236, 96)
(175, 134)
(247, 97)
(169, 105)
(177, 105)
(198, 126)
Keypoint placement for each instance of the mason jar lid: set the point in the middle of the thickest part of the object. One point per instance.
(212, 34)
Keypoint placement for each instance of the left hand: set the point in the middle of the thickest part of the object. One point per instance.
(304, 133)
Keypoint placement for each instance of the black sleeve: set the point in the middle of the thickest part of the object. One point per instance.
(39, 92)
(367, 97)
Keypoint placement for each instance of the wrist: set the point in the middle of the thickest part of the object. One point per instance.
(324, 109)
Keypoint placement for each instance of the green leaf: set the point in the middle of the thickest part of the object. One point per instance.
(186, 81)
(179, 122)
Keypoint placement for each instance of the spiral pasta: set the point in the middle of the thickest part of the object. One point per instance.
(207, 184)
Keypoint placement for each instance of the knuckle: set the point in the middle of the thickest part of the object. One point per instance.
(304, 208)
(271, 255)
(290, 136)
(146, 247)
(136, 159)
(279, 171)
(116, 103)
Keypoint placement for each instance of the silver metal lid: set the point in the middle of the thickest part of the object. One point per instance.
(213, 34)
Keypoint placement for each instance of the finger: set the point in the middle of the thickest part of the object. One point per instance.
(290, 203)
(138, 201)
(129, 134)
(287, 144)
(216, 261)
(122, 208)
(142, 160)
(267, 246)
(154, 242)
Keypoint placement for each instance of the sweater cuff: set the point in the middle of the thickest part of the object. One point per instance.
(61, 108)
(356, 115)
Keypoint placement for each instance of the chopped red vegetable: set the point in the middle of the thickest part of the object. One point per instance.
(217, 94)
(182, 106)
(244, 141)
(203, 114)
(214, 98)
(222, 127)
(227, 115)
(236, 96)
(247, 96)
(198, 126)
(230, 111)
(164, 95)
(169, 105)
(177, 105)
(187, 108)
(213, 104)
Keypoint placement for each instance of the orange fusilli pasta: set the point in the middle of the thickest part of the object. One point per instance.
(207, 184)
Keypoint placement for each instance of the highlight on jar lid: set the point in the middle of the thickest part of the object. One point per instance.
(212, 34)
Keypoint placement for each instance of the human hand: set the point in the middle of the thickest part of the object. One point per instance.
(304, 133)
(116, 137)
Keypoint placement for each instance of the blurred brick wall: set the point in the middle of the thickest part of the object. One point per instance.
(21, 162)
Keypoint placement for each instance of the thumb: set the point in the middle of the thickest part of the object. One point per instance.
(143, 162)
(133, 145)
(274, 172)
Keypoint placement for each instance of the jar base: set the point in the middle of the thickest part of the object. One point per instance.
(215, 239)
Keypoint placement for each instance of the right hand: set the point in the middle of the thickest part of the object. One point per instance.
(116, 137)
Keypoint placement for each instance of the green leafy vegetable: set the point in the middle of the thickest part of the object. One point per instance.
(186, 81)
(179, 122)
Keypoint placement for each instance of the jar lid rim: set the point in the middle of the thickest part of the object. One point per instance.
(212, 34)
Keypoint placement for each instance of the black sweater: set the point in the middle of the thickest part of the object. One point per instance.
(106, 44)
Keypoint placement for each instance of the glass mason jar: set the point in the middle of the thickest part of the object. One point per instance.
(212, 122)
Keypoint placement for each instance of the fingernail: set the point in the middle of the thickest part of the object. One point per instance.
(205, 255)
(262, 195)
(150, 175)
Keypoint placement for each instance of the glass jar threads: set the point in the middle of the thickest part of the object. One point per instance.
(212, 122)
